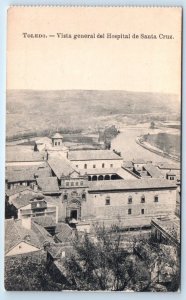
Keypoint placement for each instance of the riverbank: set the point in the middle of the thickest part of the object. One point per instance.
(147, 146)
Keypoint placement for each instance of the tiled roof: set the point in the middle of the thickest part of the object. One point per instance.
(43, 172)
(17, 190)
(153, 171)
(60, 166)
(56, 250)
(166, 165)
(48, 184)
(22, 156)
(150, 183)
(138, 161)
(171, 172)
(42, 234)
(127, 164)
(26, 174)
(44, 221)
(63, 232)
(16, 233)
(24, 200)
(57, 135)
(18, 176)
(93, 155)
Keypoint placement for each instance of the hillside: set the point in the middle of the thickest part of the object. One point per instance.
(33, 111)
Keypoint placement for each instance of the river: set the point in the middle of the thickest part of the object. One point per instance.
(126, 144)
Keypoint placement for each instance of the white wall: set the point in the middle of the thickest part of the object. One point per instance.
(98, 163)
(21, 248)
(95, 205)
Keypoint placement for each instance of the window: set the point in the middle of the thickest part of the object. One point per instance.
(143, 199)
(81, 183)
(77, 183)
(129, 211)
(83, 196)
(129, 199)
(103, 165)
(65, 197)
(85, 166)
(55, 143)
(58, 143)
(72, 183)
(156, 199)
(142, 211)
(67, 183)
(111, 165)
(107, 201)
(94, 166)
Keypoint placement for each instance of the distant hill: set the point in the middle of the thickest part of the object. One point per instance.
(34, 111)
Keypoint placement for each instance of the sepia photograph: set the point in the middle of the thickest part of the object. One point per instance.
(93, 149)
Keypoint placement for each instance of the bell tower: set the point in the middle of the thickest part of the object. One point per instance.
(57, 140)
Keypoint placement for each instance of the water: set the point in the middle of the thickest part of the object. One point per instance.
(126, 144)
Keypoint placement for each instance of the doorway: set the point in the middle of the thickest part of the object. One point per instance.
(73, 214)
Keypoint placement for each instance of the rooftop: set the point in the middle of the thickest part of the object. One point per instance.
(165, 165)
(138, 161)
(25, 199)
(170, 224)
(23, 156)
(153, 171)
(137, 184)
(63, 232)
(48, 184)
(44, 221)
(17, 190)
(16, 233)
(57, 135)
(93, 155)
(60, 166)
(18, 176)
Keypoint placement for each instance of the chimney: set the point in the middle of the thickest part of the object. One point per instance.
(26, 223)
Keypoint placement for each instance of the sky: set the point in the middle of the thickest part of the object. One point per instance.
(147, 65)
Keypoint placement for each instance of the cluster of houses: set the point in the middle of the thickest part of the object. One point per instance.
(52, 192)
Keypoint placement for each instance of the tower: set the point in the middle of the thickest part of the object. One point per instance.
(57, 140)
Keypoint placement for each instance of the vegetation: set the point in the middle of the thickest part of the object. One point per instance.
(103, 263)
(26, 273)
(105, 260)
(169, 143)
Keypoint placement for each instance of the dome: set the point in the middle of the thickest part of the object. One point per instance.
(57, 135)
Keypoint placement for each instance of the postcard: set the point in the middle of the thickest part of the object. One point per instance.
(93, 135)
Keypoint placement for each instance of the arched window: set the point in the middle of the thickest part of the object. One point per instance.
(129, 199)
(65, 197)
(94, 178)
(84, 196)
(85, 166)
(107, 177)
(100, 177)
(143, 199)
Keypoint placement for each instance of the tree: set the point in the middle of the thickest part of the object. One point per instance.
(22, 273)
(163, 261)
(102, 263)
